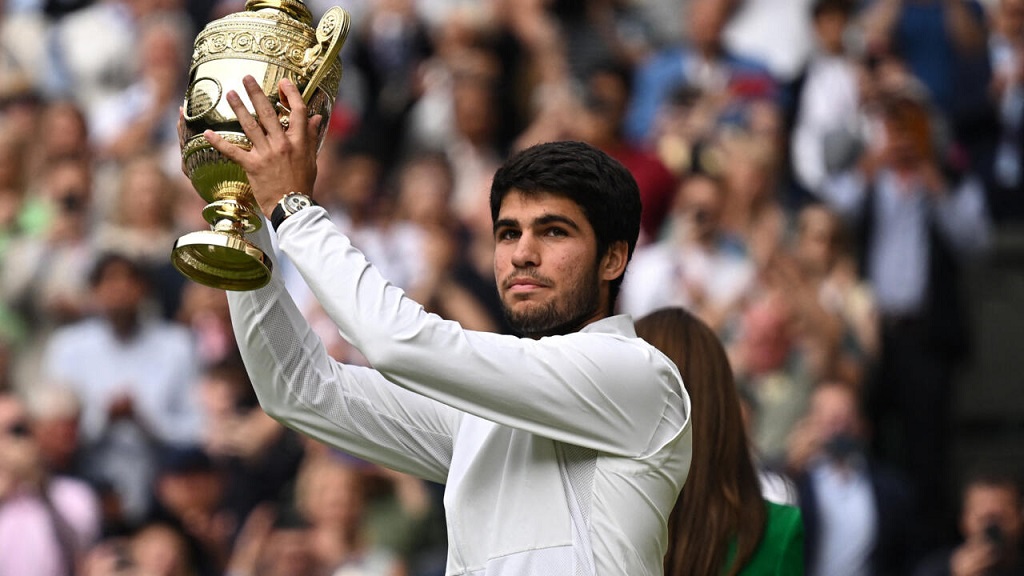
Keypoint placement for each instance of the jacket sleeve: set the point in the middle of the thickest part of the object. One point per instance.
(350, 407)
(610, 392)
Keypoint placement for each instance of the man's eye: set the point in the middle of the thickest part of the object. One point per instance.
(507, 234)
(555, 232)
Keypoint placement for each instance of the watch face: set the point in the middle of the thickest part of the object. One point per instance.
(296, 202)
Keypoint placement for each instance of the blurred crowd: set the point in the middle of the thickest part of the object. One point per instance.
(815, 174)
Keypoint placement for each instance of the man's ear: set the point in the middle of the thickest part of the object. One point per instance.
(614, 262)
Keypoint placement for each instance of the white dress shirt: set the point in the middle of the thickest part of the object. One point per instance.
(561, 456)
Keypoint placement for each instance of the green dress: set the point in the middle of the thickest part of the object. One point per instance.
(781, 551)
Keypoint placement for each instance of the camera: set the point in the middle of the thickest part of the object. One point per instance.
(71, 203)
(994, 535)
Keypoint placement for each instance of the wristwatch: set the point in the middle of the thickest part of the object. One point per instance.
(289, 204)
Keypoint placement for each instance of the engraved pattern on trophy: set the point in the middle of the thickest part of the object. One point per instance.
(269, 40)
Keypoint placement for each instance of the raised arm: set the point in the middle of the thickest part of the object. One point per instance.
(350, 407)
(607, 391)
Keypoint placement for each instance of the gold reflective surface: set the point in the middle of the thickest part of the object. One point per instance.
(270, 40)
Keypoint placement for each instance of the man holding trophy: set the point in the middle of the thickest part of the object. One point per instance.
(562, 451)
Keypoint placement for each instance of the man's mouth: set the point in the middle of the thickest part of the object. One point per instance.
(522, 284)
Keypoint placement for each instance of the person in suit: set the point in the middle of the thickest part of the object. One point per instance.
(856, 512)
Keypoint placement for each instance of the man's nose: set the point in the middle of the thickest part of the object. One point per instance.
(526, 254)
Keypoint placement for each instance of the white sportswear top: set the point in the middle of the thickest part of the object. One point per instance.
(561, 456)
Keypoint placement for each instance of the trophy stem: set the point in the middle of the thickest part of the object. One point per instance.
(221, 257)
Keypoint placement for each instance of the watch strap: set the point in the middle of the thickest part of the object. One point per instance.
(280, 213)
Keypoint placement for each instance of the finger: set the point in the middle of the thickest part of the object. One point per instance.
(229, 150)
(264, 109)
(292, 99)
(312, 130)
(249, 124)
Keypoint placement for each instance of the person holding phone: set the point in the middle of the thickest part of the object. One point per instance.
(992, 523)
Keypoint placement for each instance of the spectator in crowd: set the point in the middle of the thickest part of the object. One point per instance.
(776, 366)
(607, 93)
(155, 549)
(916, 219)
(204, 311)
(721, 523)
(857, 512)
(449, 284)
(826, 97)
(134, 374)
(257, 457)
(272, 544)
(753, 211)
(61, 131)
(189, 489)
(942, 43)
(45, 275)
(387, 51)
(697, 265)
(140, 222)
(992, 526)
(47, 521)
(824, 265)
(1006, 49)
(869, 298)
(330, 496)
(55, 413)
(144, 115)
(703, 63)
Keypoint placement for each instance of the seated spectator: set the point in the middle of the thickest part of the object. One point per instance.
(992, 526)
(140, 223)
(857, 513)
(204, 311)
(47, 522)
(449, 285)
(144, 115)
(272, 544)
(189, 491)
(56, 418)
(45, 275)
(155, 549)
(697, 265)
(775, 368)
(824, 260)
(330, 495)
(134, 374)
(257, 457)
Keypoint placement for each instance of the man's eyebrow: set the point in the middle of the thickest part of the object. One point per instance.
(505, 223)
(556, 219)
(544, 220)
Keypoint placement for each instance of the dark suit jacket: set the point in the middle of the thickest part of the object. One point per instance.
(892, 554)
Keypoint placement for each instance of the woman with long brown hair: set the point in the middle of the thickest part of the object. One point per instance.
(721, 524)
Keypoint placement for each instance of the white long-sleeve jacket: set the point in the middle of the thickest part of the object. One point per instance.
(561, 456)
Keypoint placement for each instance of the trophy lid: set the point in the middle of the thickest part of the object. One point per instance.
(294, 8)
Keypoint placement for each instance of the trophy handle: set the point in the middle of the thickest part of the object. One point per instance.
(330, 35)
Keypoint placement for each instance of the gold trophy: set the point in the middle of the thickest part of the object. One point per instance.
(269, 40)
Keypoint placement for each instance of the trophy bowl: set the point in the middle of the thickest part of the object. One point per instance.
(269, 40)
